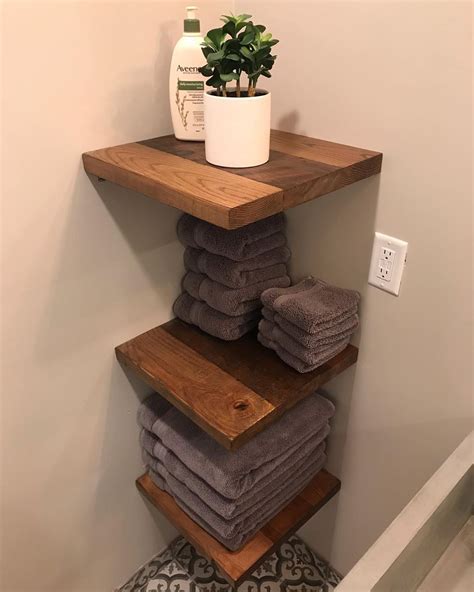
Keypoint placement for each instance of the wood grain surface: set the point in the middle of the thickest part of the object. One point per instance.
(232, 390)
(236, 565)
(176, 173)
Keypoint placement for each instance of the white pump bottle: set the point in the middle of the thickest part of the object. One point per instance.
(187, 83)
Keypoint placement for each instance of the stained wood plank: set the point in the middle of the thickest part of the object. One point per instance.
(281, 170)
(235, 566)
(177, 174)
(212, 398)
(321, 151)
(201, 190)
(233, 390)
(258, 367)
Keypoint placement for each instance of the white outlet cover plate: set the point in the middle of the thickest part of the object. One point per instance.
(388, 253)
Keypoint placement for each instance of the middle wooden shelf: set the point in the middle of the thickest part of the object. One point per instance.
(232, 390)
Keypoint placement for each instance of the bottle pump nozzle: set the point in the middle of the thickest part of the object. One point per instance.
(191, 22)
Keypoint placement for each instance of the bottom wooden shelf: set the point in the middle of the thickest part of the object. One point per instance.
(235, 566)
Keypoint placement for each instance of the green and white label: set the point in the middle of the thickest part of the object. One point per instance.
(190, 85)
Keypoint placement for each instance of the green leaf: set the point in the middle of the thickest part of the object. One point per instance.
(245, 51)
(208, 43)
(261, 53)
(229, 77)
(214, 57)
(214, 81)
(240, 26)
(233, 56)
(206, 70)
(229, 29)
(266, 73)
(206, 51)
(216, 36)
(268, 63)
(261, 28)
(247, 38)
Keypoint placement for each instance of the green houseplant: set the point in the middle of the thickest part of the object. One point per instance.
(237, 55)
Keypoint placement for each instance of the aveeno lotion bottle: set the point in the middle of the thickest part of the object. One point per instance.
(187, 83)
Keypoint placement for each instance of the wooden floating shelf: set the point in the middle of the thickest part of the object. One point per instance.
(176, 173)
(232, 390)
(235, 566)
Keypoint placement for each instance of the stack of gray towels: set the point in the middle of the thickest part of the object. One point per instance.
(308, 323)
(233, 494)
(227, 271)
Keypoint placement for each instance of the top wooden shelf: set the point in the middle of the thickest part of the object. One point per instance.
(176, 173)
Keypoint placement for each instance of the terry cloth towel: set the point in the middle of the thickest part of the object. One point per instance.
(241, 523)
(233, 473)
(293, 361)
(227, 300)
(212, 321)
(237, 274)
(238, 540)
(315, 343)
(350, 323)
(310, 303)
(243, 243)
(226, 507)
(310, 357)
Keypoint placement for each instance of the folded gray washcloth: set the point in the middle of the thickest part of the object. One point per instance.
(310, 357)
(310, 303)
(243, 522)
(296, 363)
(230, 301)
(349, 323)
(315, 343)
(243, 243)
(237, 274)
(229, 508)
(264, 516)
(233, 473)
(212, 321)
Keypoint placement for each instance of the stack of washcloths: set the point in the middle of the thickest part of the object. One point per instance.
(227, 271)
(308, 323)
(233, 494)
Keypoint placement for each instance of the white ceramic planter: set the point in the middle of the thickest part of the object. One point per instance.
(237, 129)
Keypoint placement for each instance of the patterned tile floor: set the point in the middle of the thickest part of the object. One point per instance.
(180, 568)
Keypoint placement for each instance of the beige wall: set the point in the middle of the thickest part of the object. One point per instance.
(85, 267)
(394, 77)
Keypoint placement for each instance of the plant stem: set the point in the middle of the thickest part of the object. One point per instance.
(224, 92)
(238, 86)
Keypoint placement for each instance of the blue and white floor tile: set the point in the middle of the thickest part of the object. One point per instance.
(180, 568)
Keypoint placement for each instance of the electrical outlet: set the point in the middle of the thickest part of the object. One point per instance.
(388, 262)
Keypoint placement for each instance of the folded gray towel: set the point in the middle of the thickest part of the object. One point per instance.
(296, 363)
(243, 243)
(233, 473)
(264, 516)
(228, 300)
(243, 522)
(230, 508)
(212, 321)
(314, 343)
(237, 274)
(310, 303)
(311, 357)
(349, 323)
